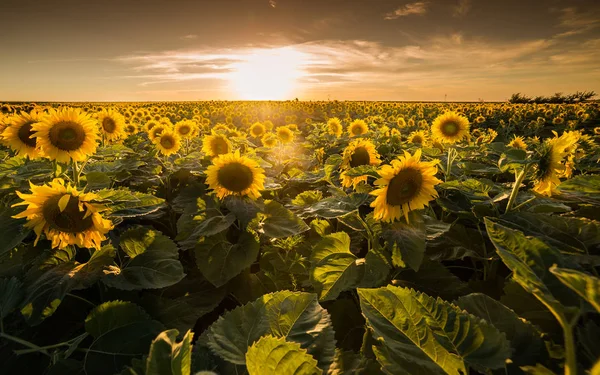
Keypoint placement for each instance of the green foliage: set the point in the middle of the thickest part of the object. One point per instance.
(273, 356)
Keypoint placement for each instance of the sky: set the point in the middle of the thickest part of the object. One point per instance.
(159, 50)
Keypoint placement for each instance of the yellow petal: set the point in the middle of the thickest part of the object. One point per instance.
(62, 203)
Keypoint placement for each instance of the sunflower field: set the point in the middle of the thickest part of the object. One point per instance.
(275, 238)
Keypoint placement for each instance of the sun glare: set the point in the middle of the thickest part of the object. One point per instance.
(267, 74)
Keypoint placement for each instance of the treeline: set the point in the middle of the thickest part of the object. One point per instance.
(558, 98)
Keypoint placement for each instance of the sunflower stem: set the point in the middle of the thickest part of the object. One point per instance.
(75, 173)
(517, 185)
(24, 343)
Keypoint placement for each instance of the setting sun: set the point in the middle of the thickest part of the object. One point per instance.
(268, 74)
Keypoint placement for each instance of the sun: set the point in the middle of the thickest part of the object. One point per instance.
(267, 74)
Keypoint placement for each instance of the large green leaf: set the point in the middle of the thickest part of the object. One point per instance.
(581, 188)
(220, 260)
(11, 294)
(418, 334)
(407, 244)
(168, 357)
(526, 342)
(153, 261)
(295, 316)
(279, 222)
(274, 356)
(334, 268)
(434, 279)
(587, 286)
(333, 207)
(122, 331)
(126, 203)
(13, 231)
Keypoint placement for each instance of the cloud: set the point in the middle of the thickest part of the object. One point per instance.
(419, 7)
(462, 8)
(577, 23)
(189, 37)
(273, 3)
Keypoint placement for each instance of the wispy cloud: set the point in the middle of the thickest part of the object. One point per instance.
(462, 8)
(273, 3)
(419, 7)
(577, 23)
(189, 37)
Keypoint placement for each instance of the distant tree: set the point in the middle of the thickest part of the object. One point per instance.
(557, 98)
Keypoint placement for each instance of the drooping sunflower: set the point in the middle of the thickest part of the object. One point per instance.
(518, 142)
(405, 185)
(112, 124)
(19, 135)
(285, 134)
(232, 174)
(215, 145)
(419, 137)
(551, 164)
(65, 215)
(357, 153)
(334, 127)
(257, 130)
(66, 134)
(186, 129)
(269, 140)
(450, 127)
(358, 127)
(168, 142)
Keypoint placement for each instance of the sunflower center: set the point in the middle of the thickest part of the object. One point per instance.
(167, 142)
(71, 220)
(26, 134)
(184, 130)
(220, 146)
(417, 139)
(357, 130)
(360, 156)
(404, 187)
(450, 128)
(67, 135)
(109, 125)
(235, 177)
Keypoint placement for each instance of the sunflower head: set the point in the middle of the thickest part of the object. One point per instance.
(168, 142)
(257, 130)
(418, 138)
(450, 127)
(334, 127)
(232, 174)
(269, 140)
(66, 134)
(65, 215)
(359, 152)
(131, 129)
(19, 135)
(112, 124)
(405, 185)
(156, 131)
(518, 142)
(358, 127)
(186, 129)
(284, 134)
(552, 163)
(215, 145)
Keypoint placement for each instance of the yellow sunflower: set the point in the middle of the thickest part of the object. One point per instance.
(450, 127)
(358, 127)
(269, 140)
(359, 152)
(66, 134)
(186, 129)
(149, 125)
(19, 135)
(65, 215)
(168, 142)
(156, 131)
(551, 165)
(334, 127)
(257, 130)
(131, 129)
(405, 185)
(112, 124)
(215, 145)
(285, 134)
(419, 137)
(232, 174)
(518, 142)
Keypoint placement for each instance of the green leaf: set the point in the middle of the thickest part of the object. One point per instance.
(11, 294)
(419, 334)
(351, 363)
(581, 188)
(333, 207)
(220, 260)
(153, 261)
(97, 180)
(279, 222)
(407, 244)
(295, 316)
(334, 268)
(538, 369)
(273, 356)
(167, 357)
(125, 203)
(526, 342)
(112, 315)
(587, 286)
(244, 208)
(13, 230)
(434, 279)
(363, 170)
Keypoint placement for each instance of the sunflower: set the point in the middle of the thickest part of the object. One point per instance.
(150, 125)
(156, 131)
(285, 134)
(19, 135)
(66, 134)
(186, 129)
(518, 142)
(334, 127)
(269, 140)
(65, 215)
(405, 185)
(358, 127)
(232, 174)
(257, 130)
(359, 152)
(215, 145)
(112, 124)
(551, 165)
(450, 127)
(419, 137)
(168, 142)
(131, 129)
